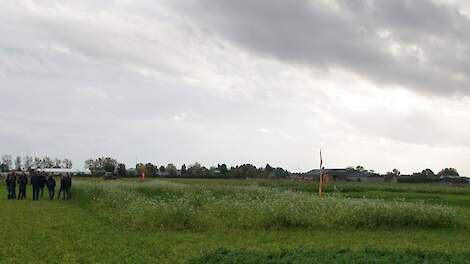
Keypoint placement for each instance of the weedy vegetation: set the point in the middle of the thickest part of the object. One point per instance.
(162, 205)
(238, 221)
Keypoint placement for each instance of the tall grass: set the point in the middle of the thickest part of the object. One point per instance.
(350, 187)
(340, 186)
(164, 205)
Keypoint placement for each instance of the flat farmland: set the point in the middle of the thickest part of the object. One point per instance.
(238, 221)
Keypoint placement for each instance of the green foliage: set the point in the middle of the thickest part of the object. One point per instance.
(4, 168)
(100, 165)
(171, 169)
(222, 169)
(121, 170)
(150, 170)
(428, 173)
(448, 172)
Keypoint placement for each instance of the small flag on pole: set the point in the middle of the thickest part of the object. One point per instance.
(320, 185)
(321, 161)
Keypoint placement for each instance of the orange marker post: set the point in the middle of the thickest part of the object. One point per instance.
(142, 175)
(320, 185)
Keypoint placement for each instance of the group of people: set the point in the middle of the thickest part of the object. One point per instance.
(38, 180)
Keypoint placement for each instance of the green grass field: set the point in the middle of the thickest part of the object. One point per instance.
(238, 221)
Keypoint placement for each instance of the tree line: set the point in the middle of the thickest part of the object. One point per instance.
(102, 165)
(28, 162)
(428, 176)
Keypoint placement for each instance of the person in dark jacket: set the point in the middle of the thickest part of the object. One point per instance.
(35, 182)
(65, 187)
(22, 181)
(42, 182)
(50, 183)
(69, 187)
(7, 184)
(11, 185)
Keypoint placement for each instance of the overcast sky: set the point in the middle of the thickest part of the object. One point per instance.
(380, 83)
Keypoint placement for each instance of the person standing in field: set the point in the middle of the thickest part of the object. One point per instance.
(11, 185)
(42, 183)
(51, 186)
(65, 187)
(69, 187)
(35, 182)
(7, 184)
(22, 181)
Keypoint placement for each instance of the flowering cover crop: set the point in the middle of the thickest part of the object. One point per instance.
(165, 205)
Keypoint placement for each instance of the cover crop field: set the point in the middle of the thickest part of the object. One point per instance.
(238, 221)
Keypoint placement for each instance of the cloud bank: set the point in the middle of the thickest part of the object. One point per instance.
(377, 83)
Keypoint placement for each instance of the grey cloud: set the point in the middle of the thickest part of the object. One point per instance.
(143, 83)
(316, 34)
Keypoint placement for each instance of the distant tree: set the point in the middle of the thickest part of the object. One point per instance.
(171, 169)
(7, 162)
(18, 163)
(27, 162)
(67, 163)
(121, 170)
(448, 172)
(183, 170)
(162, 169)
(90, 164)
(396, 172)
(4, 167)
(222, 169)
(195, 170)
(110, 164)
(57, 163)
(280, 173)
(268, 169)
(196, 165)
(150, 170)
(245, 171)
(213, 172)
(359, 168)
(47, 162)
(37, 163)
(427, 173)
(139, 168)
(101, 165)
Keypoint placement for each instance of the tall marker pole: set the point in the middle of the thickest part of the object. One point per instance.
(320, 186)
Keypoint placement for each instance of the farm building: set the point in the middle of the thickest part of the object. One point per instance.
(347, 174)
